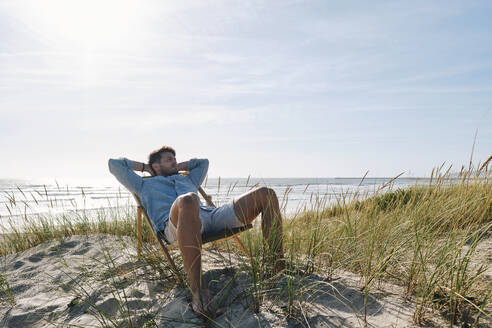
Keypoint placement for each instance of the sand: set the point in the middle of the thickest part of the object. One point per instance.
(92, 281)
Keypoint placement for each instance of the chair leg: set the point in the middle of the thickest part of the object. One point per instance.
(170, 260)
(139, 232)
(164, 250)
(241, 246)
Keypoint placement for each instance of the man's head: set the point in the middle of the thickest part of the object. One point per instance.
(163, 161)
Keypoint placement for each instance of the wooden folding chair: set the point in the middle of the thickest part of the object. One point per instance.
(206, 239)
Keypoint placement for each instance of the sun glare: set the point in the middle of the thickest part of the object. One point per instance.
(105, 25)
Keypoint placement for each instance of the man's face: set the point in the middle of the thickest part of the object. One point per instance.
(167, 165)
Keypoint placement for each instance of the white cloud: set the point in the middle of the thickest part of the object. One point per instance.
(254, 77)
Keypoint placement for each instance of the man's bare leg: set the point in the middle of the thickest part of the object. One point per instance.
(185, 215)
(264, 200)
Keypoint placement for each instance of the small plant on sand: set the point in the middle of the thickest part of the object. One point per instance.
(6, 295)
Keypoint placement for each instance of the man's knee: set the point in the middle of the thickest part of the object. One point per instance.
(267, 194)
(187, 204)
(188, 201)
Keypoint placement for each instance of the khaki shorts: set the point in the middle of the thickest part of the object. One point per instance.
(214, 219)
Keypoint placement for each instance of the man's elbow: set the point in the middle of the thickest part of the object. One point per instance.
(111, 165)
(204, 164)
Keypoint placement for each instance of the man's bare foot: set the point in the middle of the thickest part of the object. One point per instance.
(204, 305)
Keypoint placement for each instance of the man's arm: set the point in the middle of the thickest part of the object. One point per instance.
(142, 167)
(198, 170)
(123, 169)
(183, 166)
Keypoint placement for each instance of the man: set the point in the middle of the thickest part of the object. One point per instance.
(174, 208)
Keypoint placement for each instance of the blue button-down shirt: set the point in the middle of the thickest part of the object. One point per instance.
(157, 194)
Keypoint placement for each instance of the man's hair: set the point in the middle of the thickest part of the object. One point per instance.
(155, 156)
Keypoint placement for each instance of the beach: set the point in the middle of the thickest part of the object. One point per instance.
(91, 281)
(409, 256)
(349, 137)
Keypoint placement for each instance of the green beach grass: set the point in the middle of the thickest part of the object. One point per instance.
(425, 238)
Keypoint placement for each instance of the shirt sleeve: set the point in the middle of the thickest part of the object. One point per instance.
(122, 169)
(198, 169)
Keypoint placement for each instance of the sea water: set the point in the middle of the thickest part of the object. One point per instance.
(20, 198)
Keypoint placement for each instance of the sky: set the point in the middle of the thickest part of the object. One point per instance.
(260, 88)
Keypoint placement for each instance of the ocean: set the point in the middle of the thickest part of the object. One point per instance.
(20, 198)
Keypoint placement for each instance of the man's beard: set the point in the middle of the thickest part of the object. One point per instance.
(168, 172)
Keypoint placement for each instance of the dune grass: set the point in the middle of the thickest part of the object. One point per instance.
(425, 238)
(6, 296)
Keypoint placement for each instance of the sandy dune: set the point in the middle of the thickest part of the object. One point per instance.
(89, 281)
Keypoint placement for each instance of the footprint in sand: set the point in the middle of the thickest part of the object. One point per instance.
(139, 304)
(29, 319)
(18, 264)
(109, 306)
(81, 251)
(19, 289)
(63, 247)
(70, 244)
(36, 257)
